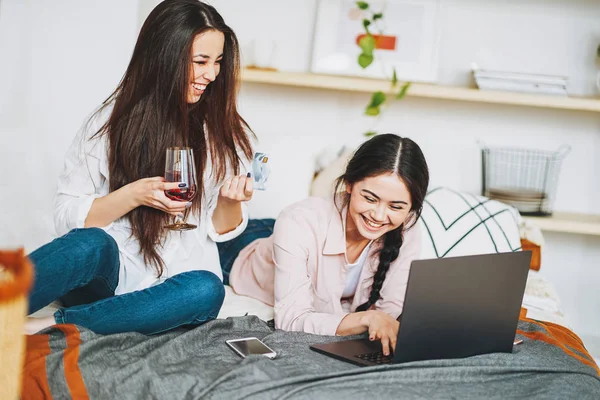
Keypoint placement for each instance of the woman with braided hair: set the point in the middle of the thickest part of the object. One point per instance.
(340, 267)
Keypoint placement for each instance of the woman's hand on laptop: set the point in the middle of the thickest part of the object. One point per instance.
(382, 327)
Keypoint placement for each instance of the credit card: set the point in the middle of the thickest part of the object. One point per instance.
(260, 170)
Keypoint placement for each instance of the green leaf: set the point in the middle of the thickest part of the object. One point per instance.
(370, 133)
(377, 99)
(377, 16)
(363, 5)
(403, 91)
(394, 78)
(367, 44)
(366, 24)
(364, 60)
(372, 111)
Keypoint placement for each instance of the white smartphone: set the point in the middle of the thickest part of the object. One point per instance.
(251, 345)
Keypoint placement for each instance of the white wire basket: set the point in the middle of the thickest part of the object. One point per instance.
(524, 178)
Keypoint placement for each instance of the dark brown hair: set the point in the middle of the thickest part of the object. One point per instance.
(150, 112)
(381, 155)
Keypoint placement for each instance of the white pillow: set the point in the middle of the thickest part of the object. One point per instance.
(457, 224)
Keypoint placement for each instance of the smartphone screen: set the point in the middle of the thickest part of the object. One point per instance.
(250, 346)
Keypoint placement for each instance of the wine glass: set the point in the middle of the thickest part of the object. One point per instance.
(180, 167)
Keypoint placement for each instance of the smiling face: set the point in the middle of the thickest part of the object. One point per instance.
(377, 205)
(207, 53)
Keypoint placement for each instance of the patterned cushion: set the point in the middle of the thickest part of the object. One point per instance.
(456, 224)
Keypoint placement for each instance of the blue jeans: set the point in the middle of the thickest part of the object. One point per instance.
(228, 251)
(81, 269)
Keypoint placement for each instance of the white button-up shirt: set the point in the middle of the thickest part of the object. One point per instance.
(85, 177)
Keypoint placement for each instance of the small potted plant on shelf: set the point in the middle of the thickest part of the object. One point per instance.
(369, 44)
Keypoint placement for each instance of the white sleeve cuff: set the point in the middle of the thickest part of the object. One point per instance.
(81, 209)
(78, 211)
(224, 237)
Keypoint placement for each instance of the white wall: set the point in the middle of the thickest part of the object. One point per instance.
(62, 59)
(66, 56)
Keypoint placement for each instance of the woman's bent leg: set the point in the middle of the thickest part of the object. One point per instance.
(228, 251)
(79, 258)
(189, 298)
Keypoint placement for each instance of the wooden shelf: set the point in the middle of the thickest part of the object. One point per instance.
(363, 85)
(582, 224)
(559, 222)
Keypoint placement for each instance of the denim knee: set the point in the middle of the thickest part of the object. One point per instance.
(102, 252)
(98, 241)
(202, 292)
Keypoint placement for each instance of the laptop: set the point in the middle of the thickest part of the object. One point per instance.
(454, 307)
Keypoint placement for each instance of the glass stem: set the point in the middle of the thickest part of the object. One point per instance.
(185, 215)
(182, 220)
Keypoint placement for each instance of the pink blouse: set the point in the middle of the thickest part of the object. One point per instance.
(301, 269)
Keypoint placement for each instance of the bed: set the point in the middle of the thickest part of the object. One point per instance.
(67, 361)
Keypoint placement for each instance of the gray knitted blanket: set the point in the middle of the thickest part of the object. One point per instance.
(71, 362)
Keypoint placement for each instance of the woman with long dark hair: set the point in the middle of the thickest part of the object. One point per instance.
(116, 268)
(340, 267)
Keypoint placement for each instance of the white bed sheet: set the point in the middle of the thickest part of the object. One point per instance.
(542, 302)
(236, 305)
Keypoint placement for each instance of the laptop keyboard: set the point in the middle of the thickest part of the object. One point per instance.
(376, 357)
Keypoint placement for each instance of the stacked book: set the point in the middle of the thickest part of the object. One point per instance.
(527, 201)
(520, 82)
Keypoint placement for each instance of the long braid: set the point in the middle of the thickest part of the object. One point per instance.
(387, 255)
(383, 155)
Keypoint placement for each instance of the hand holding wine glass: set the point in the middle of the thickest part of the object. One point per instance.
(180, 168)
(150, 192)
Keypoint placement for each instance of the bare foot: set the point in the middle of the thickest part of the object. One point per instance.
(34, 325)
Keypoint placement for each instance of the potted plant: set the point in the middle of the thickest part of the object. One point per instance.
(368, 43)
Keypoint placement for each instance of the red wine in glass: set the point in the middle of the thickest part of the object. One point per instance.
(180, 194)
(181, 168)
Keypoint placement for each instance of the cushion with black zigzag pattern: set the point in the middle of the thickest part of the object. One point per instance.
(456, 223)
